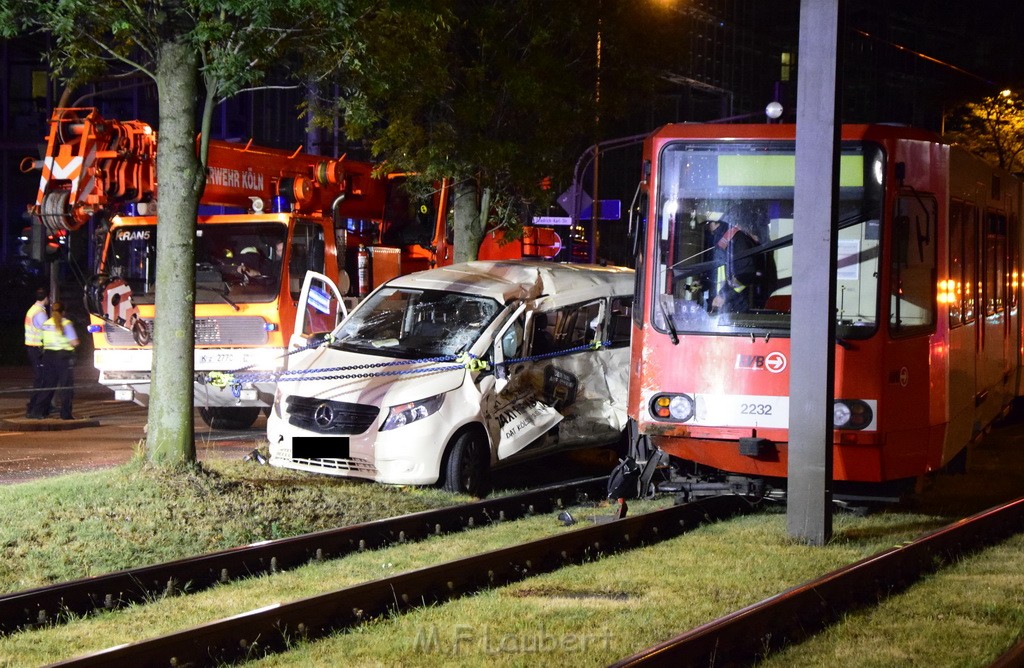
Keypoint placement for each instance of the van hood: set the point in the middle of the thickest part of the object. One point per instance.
(326, 373)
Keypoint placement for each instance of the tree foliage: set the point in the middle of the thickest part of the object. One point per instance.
(197, 52)
(994, 129)
(495, 96)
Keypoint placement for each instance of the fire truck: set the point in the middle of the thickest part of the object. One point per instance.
(275, 215)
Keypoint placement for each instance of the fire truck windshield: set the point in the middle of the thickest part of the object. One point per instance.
(235, 262)
(724, 244)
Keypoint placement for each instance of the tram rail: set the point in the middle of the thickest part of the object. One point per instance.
(746, 635)
(273, 628)
(54, 603)
(742, 637)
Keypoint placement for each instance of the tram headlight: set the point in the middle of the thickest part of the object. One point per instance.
(851, 414)
(675, 407)
(840, 414)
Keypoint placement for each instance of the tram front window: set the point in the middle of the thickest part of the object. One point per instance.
(724, 255)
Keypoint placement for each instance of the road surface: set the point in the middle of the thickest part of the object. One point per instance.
(108, 433)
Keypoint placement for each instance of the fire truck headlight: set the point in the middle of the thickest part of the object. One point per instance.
(676, 407)
(851, 414)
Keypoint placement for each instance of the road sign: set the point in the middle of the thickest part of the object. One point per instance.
(567, 200)
(551, 221)
(607, 209)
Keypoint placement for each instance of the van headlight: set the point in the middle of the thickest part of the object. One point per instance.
(403, 414)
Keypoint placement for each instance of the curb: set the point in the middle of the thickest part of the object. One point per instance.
(46, 424)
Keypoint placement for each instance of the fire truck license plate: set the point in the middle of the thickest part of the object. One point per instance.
(223, 359)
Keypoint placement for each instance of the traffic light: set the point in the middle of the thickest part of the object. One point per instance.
(56, 245)
(545, 183)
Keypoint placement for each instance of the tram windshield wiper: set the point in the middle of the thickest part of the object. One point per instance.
(673, 333)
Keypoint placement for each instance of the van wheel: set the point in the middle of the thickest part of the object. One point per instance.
(467, 466)
(229, 418)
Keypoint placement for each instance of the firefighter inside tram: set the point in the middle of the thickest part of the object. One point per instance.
(725, 241)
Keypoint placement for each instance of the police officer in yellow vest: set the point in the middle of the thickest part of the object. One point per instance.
(34, 319)
(59, 343)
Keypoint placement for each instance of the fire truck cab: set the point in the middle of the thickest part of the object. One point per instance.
(267, 218)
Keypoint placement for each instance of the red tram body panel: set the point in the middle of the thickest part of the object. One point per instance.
(928, 324)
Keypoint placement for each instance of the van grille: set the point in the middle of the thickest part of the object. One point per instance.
(353, 465)
(329, 417)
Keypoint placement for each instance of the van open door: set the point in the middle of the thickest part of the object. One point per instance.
(514, 413)
(320, 309)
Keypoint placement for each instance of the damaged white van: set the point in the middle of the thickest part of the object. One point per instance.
(442, 375)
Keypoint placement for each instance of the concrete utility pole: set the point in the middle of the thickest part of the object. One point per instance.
(812, 380)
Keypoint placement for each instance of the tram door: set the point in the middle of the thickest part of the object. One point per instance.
(963, 338)
(912, 320)
(992, 361)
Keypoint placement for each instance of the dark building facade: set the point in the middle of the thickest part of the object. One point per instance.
(910, 62)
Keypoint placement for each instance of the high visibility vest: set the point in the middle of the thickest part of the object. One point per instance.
(33, 334)
(54, 337)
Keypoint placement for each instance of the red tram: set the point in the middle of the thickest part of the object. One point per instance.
(927, 322)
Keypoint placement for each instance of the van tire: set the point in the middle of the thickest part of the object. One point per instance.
(230, 417)
(466, 468)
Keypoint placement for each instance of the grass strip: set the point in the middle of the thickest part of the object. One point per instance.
(964, 615)
(166, 614)
(93, 523)
(595, 613)
(590, 614)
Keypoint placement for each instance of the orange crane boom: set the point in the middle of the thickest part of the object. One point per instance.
(93, 164)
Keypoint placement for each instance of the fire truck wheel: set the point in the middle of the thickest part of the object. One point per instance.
(465, 469)
(229, 418)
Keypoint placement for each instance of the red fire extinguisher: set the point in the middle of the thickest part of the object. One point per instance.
(363, 271)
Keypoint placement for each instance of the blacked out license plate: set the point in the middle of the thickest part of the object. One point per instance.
(320, 447)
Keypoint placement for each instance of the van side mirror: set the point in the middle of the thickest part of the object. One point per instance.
(317, 338)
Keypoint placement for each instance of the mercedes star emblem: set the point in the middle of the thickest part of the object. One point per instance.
(323, 415)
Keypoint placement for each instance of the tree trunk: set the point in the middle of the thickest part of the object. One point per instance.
(171, 437)
(469, 231)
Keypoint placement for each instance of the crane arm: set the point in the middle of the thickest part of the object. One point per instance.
(92, 164)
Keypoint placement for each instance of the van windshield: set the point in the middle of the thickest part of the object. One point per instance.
(402, 322)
